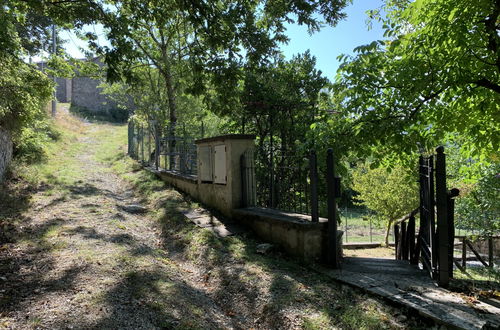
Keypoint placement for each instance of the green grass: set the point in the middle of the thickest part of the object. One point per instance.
(479, 274)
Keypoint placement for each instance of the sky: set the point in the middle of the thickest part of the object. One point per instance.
(331, 42)
(325, 45)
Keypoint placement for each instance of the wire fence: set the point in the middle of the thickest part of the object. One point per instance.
(360, 226)
(168, 148)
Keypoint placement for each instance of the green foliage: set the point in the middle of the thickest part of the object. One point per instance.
(478, 207)
(437, 72)
(24, 93)
(391, 194)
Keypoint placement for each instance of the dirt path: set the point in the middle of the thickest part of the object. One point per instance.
(83, 262)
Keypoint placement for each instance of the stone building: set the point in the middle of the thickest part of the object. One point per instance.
(85, 95)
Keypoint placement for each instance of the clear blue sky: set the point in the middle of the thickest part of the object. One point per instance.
(325, 45)
(330, 42)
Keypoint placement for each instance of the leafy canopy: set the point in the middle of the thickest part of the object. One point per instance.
(436, 72)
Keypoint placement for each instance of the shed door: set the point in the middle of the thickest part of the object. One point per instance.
(205, 165)
(220, 174)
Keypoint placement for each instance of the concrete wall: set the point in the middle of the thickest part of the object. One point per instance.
(5, 151)
(63, 90)
(86, 94)
(294, 233)
(225, 198)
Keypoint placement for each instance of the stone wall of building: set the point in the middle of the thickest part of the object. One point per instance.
(5, 151)
(63, 90)
(87, 95)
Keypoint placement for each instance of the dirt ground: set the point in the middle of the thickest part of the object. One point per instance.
(72, 258)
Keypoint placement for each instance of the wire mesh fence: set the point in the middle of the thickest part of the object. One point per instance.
(167, 148)
(360, 226)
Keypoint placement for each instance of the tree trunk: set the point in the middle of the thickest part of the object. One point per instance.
(388, 230)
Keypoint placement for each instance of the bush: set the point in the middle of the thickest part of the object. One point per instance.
(116, 115)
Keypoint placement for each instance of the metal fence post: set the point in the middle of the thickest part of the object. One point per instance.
(157, 146)
(332, 254)
(313, 176)
(370, 230)
(142, 143)
(131, 138)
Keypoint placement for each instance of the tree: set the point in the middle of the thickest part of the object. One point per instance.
(478, 206)
(389, 193)
(437, 72)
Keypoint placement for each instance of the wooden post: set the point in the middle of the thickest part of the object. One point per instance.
(313, 176)
(443, 239)
(332, 255)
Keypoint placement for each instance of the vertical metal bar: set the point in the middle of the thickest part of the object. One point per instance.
(313, 177)
(371, 237)
(396, 241)
(411, 240)
(442, 218)
(345, 230)
(157, 146)
(131, 138)
(332, 255)
(142, 143)
(404, 242)
(149, 144)
(451, 227)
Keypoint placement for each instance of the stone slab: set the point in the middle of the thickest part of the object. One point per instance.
(221, 227)
(407, 285)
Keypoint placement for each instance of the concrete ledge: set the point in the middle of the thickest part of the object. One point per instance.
(176, 175)
(293, 232)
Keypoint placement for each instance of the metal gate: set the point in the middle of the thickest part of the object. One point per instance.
(434, 243)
